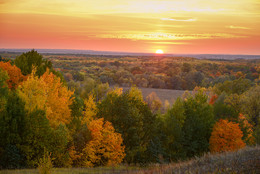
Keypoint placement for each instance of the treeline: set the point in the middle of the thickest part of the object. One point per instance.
(100, 126)
(156, 72)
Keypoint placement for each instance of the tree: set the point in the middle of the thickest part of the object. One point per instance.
(226, 136)
(47, 93)
(186, 67)
(31, 59)
(198, 123)
(132, 118)
(14, 73)
(12, 132)
(174, 121)
(237, 86)
(3, 89)
(250, 104)
(96, 142)
(154, 102)
(39, 135)
(105, 147)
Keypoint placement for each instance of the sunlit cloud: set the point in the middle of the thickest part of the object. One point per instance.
(170, 43)
(238, 27)
(179, 19)
(169, 36)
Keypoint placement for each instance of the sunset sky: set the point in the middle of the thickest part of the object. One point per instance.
(187, 26)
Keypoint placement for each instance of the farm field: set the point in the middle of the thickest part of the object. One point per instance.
(163, 94)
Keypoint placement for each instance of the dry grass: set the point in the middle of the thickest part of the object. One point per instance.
(245, 161)
(164, 94)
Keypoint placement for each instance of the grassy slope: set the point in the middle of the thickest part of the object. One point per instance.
(246, 160)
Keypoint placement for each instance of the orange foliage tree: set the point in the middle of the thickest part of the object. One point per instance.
(47, 93)
(14, 73)
(226, 136)
(213, 99)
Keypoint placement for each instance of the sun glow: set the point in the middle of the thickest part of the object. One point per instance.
(159, 51)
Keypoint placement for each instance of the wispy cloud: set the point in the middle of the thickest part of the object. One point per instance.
(238, 27)
(179, 19)
(170, 43)
(169, 36)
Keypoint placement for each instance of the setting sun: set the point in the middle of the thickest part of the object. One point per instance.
(159, 51)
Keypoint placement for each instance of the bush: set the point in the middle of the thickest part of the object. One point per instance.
(45, 164)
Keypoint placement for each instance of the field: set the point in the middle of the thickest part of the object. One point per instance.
(163, 94)
(246, 160)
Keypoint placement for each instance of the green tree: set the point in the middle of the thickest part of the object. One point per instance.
(174, 121)
(12, 129)
(199, 120)
(27, 60)
(132, 118)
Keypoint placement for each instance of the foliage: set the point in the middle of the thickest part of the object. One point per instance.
(47, 93)
(45, 164)
(130, 117)
(154, 102)
(198, 123)
(247, 130)
(3, 89)
(174, 121)
(237, 86)
(31, 59)
(12, 128)
(250, 102)
(105, 147)
(14, 73)
(226, 136)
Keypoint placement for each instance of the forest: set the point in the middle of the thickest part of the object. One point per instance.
(72, 111)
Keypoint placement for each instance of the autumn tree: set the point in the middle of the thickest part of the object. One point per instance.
(47, 93)
(105, 147)
(250, 102)
(100, 144)
(154, 102)
(14, 73)
(3, 89)
(226, 136)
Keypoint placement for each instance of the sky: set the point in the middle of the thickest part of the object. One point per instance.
(176, 27)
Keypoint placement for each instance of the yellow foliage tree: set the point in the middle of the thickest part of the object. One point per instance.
(49, 94)
(226, 136)
(105, 147)
(90, 110)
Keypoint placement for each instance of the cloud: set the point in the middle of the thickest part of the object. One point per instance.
(170, 43)
(238, 27)
(168, 36)
(179, 19)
